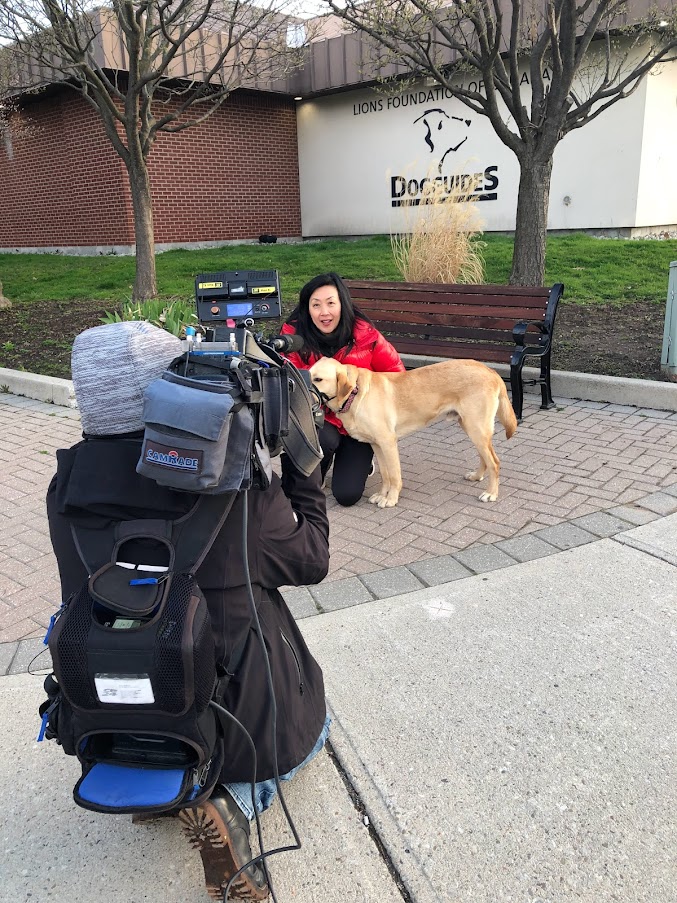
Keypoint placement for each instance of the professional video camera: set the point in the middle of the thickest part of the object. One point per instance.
(240, 401)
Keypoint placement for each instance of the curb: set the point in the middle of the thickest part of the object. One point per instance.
(639, 393)
(26, 656)
(50, 389)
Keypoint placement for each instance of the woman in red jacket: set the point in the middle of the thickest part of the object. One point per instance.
(331, 326)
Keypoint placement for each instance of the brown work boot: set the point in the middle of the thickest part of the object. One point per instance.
(220, 831)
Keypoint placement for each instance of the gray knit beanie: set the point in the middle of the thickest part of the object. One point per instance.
(111, 367)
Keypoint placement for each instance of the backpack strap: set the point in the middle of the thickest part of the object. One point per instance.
(187, 539)
(207, 516)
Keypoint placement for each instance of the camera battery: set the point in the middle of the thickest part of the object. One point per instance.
(237, 289)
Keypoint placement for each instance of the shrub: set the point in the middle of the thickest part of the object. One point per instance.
(440, 240)
(172, 315)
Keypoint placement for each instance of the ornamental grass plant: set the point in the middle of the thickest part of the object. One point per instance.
(438, 240)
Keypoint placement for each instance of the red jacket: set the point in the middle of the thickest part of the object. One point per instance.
(370, 350)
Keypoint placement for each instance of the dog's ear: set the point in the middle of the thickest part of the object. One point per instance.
(344, 385)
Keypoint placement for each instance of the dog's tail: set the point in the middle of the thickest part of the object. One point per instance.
(505, 412)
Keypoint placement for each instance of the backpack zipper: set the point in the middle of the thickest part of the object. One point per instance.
(296, 659)
(200, 776)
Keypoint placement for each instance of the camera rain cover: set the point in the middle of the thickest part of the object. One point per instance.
(198, 437)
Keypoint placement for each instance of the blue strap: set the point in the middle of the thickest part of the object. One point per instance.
(52, 621)
(43, 726)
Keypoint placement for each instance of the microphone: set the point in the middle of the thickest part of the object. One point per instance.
(286, 343)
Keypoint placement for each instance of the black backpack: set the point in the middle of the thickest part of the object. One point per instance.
(133, 651)
(134, 668)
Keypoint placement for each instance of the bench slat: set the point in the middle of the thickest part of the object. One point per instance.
(422, 313)
(451, 324)
(429, 301)
(434, 288)
(396, 331)
(452, 350)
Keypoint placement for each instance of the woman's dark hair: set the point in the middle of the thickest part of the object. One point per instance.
(316, 342)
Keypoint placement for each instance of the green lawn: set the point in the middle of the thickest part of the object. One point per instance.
(591, 269)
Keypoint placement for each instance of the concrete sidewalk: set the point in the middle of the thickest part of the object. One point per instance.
(508, 737)
(502, 680)
(513, 735)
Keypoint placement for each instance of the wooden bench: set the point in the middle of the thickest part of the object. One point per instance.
(490, 323)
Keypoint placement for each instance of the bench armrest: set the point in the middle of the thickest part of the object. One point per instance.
(519, 331)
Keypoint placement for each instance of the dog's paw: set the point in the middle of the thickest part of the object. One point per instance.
(383, 501)
(488, 497)
(474, 476)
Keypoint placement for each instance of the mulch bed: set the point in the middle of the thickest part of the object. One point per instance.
(601, 338)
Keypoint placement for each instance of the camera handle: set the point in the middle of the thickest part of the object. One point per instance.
(242, 345)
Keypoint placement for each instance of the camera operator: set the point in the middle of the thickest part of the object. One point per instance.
(96, 482)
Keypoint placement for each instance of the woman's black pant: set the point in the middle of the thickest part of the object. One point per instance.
(352, 464)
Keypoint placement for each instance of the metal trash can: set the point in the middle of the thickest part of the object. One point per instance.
(669, 353)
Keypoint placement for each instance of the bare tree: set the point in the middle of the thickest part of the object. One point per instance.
(15, 124)
(578, 56)
(146, 66)
(9, 113)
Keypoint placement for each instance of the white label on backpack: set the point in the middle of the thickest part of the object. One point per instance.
(125, 689)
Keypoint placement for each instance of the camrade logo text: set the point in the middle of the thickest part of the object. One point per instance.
(477, 186)
(173, 459)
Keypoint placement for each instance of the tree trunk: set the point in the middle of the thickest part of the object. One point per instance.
(528, 259)
(145, 283)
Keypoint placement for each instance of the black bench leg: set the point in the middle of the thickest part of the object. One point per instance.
(546, 394)
(516, 364)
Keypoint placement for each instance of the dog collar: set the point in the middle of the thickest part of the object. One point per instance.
(349, 400)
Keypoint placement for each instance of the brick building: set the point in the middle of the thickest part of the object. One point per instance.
(231, 177)
(325, 151)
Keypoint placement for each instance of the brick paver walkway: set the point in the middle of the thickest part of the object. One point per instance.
(577, 459)
(562, 465)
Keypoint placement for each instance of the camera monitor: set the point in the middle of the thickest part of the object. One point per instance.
(237, 295)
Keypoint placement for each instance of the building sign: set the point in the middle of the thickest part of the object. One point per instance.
(443, 139)
(444, 136)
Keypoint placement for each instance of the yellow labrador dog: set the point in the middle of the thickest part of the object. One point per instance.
(380, 408)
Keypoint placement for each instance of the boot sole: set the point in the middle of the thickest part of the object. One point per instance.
(206, 832)
(142, 819)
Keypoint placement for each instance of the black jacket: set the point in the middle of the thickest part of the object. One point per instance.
(287, 542)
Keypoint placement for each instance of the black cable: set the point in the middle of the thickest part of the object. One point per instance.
(263, 855)
(252, 783)
(45, 670)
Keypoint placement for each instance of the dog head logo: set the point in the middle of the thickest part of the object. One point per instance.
(444, 134)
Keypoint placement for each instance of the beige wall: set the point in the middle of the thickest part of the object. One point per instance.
(657, 196)
(353, 145)
(597, 168)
